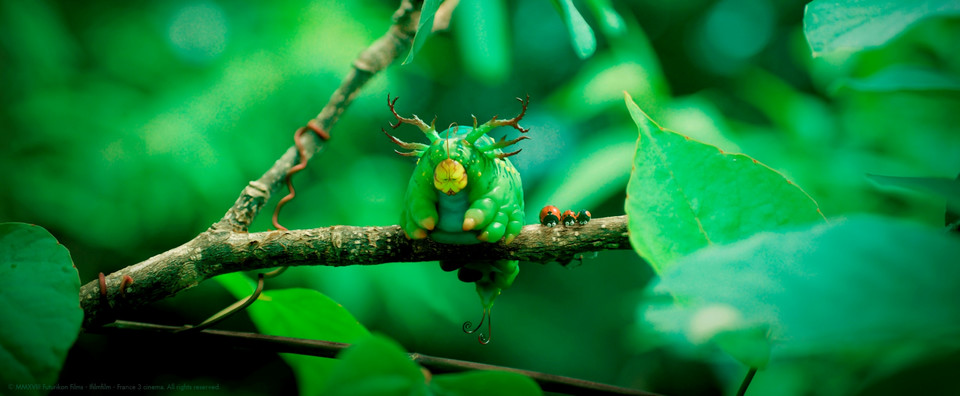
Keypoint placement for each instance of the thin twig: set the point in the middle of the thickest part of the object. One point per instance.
(229, 311)
(746, 381)
(216, 253)
(375, 58)
(180, 268)
(548, 382)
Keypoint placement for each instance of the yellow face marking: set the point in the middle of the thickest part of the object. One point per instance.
(449, 177)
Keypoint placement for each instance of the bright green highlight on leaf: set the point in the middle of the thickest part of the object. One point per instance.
(863, 289)
(684, 195)
(581, 35)
(855, 25)
(40, 311)
(300, 313)
(424, 27)
(377, 365)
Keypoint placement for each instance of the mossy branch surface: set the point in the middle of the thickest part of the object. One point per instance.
(214, 253)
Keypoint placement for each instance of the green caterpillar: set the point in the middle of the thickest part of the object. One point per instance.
(464, 190)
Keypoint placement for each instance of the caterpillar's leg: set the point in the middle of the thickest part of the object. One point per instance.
(480, 213)
(506, 272)
(419, 216)
(514, 226)
(495, 230)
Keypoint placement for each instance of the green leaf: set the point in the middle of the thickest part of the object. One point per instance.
(904, 78)
(481, 383)
(684, 195)
(947, 188)
(854, 25)
(611, 23)
(480, 27)
(39, 305)
(865, 290)
(375, 365)
(301, 313)
(581, 35)
(424, 27)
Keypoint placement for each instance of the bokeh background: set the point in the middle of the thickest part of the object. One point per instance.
(128, 128)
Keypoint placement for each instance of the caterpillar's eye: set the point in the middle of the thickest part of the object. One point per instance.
(568, 218)
(449, 177)
(583, 217)
(550, 216)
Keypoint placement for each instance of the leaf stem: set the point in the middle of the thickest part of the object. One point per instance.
(746, 381)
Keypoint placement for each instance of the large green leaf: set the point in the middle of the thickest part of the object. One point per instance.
(854, 25)
(684, 195)
(376, 365)
(581, 35)
(868, 290)
(481, 383)
(301, 313)
(39, 306)
(424, 27)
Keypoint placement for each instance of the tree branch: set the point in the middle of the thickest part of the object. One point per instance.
(436, 365)
(375, 58)
(227, 247)
(215, 253)
(166, 274)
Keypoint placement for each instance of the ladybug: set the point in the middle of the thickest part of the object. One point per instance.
(550, 216)
(583, 217)
(568, 218)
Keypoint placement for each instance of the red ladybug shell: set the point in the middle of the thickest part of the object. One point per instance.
(549, 216)
(568, 218)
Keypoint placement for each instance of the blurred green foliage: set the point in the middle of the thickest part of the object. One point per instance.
(869, 294)
(40, 305)
(130, 127)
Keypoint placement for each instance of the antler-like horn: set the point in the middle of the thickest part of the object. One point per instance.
(503, 143)
(428, 130)
(416, 148)
(494, 122)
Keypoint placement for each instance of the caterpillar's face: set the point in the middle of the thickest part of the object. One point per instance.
(451, 156)
(449, 177)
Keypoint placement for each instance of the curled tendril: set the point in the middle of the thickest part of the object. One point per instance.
(314, 127)
(484, 338)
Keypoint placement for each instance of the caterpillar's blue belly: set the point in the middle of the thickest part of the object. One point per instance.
(451, 210)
